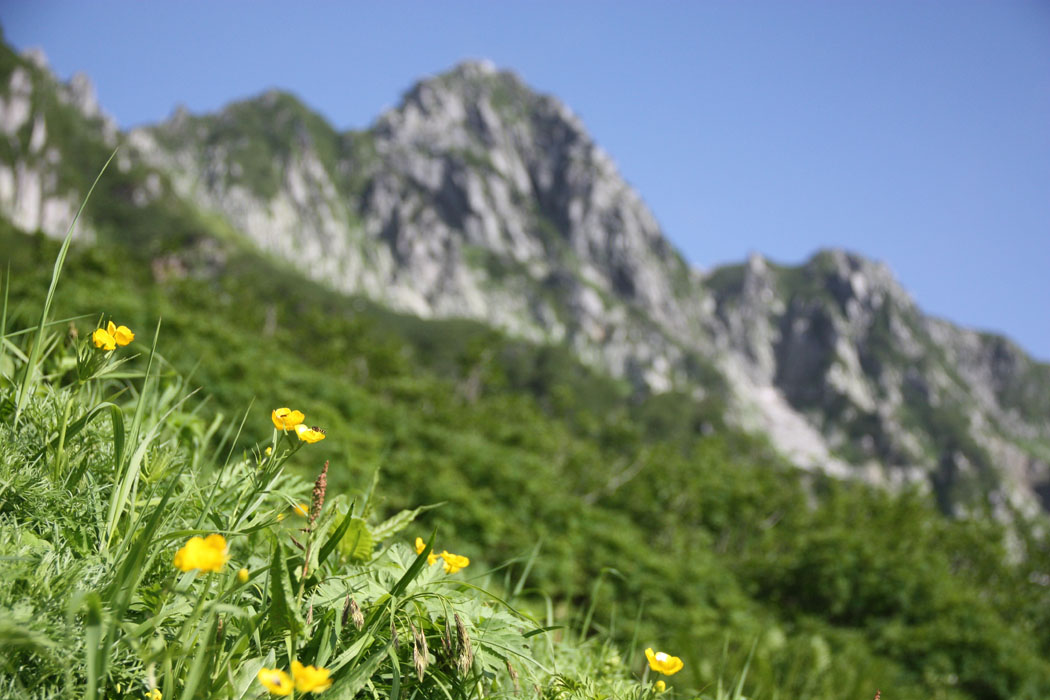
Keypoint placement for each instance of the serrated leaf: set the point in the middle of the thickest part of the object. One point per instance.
(357, 543)
(282, 611)
(391, 526)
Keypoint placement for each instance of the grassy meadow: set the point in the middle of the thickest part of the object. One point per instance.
(597, 522)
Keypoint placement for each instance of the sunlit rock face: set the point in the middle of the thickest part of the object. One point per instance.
(477, 197)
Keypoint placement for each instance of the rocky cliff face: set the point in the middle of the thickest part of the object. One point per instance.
(477, 197)
(30, 192)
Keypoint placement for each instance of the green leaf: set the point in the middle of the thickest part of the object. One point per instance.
(391, 526)
(247, 673)
(349, 685)
(282, 610)
(200, 661)
(357, 543)
(414, 569)
(94, 633)
(332, 542)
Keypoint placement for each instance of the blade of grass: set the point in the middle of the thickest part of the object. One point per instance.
(3, 313)
(332, 542)
(34, 353)
(528, 568)
(216, 479)
(395, 680)
(413, 570)
(198, 666)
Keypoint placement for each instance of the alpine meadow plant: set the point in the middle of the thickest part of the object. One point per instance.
(145, 553)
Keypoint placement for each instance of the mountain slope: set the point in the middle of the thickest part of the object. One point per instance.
(479, 198)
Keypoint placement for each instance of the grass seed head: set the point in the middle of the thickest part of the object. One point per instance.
(465, 658)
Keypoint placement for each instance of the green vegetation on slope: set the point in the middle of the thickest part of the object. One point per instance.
(143, 557)
(649, 508)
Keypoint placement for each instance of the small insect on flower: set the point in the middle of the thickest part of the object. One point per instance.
(663, 663)
(286, 418)
(276, 681)
(309, 679)
(203, 554)
(309, 435)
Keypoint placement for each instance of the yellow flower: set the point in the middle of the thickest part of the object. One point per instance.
(269, 451)
(454, 562)
(660, 686)
(103, 339)
(121, 334)
(420, 546)
(243, 576)
(663, 663)
(154, 695)
(309, 679)
(310, 435)
(203, 554)
(286, 418)
(301, 509)
(276, 681)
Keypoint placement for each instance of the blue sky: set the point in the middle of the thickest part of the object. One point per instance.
(917, 133)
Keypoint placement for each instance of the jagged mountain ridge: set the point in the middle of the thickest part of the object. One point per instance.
(474, 198)
(477, 197)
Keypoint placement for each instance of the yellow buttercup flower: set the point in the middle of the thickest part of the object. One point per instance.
(309, 679)
(203, 554)
(663, 663)
(420, 546)
(103, 340)
(660, 686)
(301, 509)
(243, 576)
(276, 681)
(454, 562)
(310, 435)
(121, 334)
(269, 451)
(286, 418)
(154, 694)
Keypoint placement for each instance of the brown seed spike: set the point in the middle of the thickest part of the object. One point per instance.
(465, 659)
(346, 611)
(356, 615)
(447, 645)
(878, 694)
(320, 487)
(513, 677)
(419, 651)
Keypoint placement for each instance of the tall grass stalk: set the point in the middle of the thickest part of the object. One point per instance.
(29, 376)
